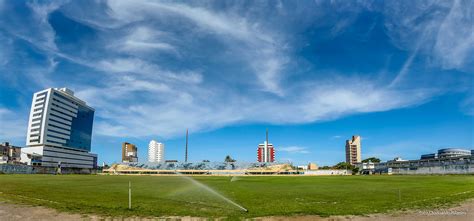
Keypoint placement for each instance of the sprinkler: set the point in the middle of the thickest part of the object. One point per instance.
(212, 191)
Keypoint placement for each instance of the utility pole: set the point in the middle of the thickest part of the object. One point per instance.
(186, 153)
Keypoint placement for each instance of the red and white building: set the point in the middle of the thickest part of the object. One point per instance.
(265, 153)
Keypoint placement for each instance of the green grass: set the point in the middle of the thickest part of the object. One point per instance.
(263, 196)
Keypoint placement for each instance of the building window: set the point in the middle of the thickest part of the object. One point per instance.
(54, 99)
(58, 127)
(59, 122)
(50, 141)
(68, 120)
(49, 135)
(55, 131)
(62, 111)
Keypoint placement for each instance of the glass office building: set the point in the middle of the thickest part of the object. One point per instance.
(59, 130)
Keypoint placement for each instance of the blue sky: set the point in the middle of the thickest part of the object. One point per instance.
(398, 73)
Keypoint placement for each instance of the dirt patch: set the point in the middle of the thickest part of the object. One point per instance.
(21, 212)
(464, 212)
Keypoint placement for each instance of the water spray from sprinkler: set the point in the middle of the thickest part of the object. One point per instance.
(210, 190)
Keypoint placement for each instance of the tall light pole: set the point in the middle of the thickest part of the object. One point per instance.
(186, 153)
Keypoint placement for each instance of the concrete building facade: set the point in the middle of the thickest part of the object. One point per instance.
(59, 131)
(9, 154)
(445, 165)
(453, 152)
(353, 152)
(129, 153)
(156, 152)
(447, 153)
(312, 166)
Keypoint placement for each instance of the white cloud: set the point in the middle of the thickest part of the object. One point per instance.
(467, 106)
(139, 96)
(143, 39)
(139, 66)
(5, 53)
(259, 48)
(155, 108)
(442, 30)
(132, 45)
(46, 34)
(294, 149)
(329, 100)
(455, 38)
(406, 66)
(12, 126)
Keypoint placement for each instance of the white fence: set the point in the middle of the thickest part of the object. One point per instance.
(327, 172)
(448, 169)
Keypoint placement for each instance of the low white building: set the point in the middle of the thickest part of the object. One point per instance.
(366, 166)
(156, 152)
(302, 167)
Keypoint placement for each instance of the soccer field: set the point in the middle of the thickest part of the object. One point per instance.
(262, 196)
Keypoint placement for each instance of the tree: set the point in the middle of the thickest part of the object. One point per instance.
(228, 159)
(371, 159)
(343, 166)
(355, 170)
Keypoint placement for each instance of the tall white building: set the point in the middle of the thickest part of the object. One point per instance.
(59, 131)
(156, 152)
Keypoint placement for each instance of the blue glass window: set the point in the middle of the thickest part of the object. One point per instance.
(81, 129)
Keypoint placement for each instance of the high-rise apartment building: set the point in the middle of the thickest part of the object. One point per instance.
(129, 153)
(59, 131)
(353, 154)
(156, 152)
(266, 152)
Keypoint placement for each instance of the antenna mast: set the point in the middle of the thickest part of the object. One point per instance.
(186, 153)
(267, 136)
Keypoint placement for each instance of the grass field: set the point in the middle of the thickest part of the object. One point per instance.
(263, 196)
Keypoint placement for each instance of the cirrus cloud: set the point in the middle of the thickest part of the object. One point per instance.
(153, 68)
